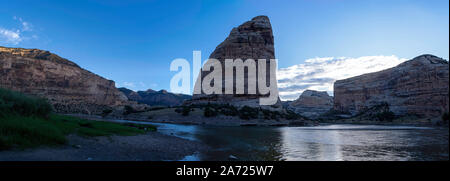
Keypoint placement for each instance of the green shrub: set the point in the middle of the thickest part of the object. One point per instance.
(247, 113)
(228, 110)
(185, 110)
(209, 112)
(291, 115)
(106, 112)
(385, 116)
(128, 110)
(27, 121)
(24, 132)
(17, 103)
(156, 108)
(274, 115)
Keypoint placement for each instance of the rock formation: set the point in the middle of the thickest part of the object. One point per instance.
(419, 86)
(251, 40)
(312, 103)
(68, 87)
(155, 98)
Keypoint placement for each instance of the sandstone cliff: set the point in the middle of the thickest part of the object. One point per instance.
(312, 103)
(419, 86)
(68, 87)
(251, 40)
(155, 98)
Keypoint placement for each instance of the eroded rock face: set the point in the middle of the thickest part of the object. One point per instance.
(312, 103)
(251, 40)
(419, 86)
(68, 87)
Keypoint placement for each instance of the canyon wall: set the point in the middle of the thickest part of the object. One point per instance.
(419, 86)
(68, 87)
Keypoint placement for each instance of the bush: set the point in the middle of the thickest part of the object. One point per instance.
(274, 115)
(229, 110)
(26, 121)
(106, 112)
(156, 108)
(247, 113)
(128, 110)
(17, 103)
(185, 110)
(385, 116)
(24, 132)
(291, 115)
(209, 112)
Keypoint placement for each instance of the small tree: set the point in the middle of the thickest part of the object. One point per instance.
(209, 112)
(247, 113)
(106, 112)
(185, 111)
(385, 116)
(128, 110)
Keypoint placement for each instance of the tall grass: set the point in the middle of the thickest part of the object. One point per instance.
(19, 104)
(27, 121)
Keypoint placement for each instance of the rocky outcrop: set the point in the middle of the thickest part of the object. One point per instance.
(419, 87)
(68, 87)
(312, 103)
(251, 40)
(155, 98)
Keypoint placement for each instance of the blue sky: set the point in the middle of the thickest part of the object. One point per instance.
(133, 43)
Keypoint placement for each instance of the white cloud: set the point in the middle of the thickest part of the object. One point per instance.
(129, 84)
(15, 36)
(135, 85)
(321, 73)
(26, 26)
(10, 36)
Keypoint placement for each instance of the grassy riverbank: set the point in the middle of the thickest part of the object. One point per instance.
(27, 121)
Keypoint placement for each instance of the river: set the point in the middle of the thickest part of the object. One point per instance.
(318, 143)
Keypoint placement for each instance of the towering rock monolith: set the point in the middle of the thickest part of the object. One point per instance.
(416, 87)
(251, 40)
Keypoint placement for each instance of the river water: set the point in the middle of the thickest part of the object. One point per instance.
(324, 143)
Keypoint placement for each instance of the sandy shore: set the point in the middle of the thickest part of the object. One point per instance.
(152, 146)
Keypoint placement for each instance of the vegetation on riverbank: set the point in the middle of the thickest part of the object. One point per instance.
(27, 121)
(245, 112)
(381, 114)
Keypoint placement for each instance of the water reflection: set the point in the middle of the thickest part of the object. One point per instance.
(306, 144)
(331, 142)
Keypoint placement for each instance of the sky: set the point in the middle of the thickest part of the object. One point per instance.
(134, 42)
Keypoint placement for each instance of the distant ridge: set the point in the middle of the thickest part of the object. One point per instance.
(155, 98)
